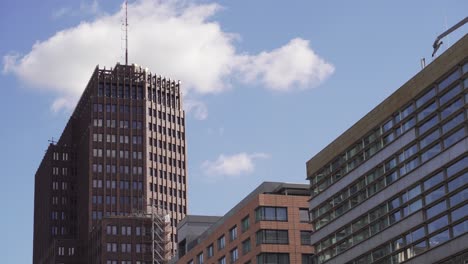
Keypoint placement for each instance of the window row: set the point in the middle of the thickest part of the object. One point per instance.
(166, 145)
(56, 156)
(167, 99)
(384, 174)
(167, 175)
(115, 90)
(400, 122)
(168, 205)
(415, 242)
(166, 190)
(166, 116)
(112, 169)
(112, 123)
(166, 160)
(56, 171)
(399, 207)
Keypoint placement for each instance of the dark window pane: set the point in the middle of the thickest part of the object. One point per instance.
(436, 209)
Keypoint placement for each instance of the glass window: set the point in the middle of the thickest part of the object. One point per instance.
(273, 258)
(412, 164)
(200, 258)
(459, 197)
(434, 195)
(458, 182)
(210, 251)
(245, 224)
(246, 246)
(399, 243)
(433, 181)
(430, 153)
(418, 233)
(437, 224)
(407, 111)
(458, 166)
(427, 111)
(452, 108)
(414, 192)
(305, 237)
(419, 248)
(271, 214)
(272, 237)
(436, 209)
(450, 79)
(395, 203)
(416, 205)
(389, 138)
(426, 141)
(426, 97)
(460, 213)
(428, 124)
(381, 252)
(308, 259)
(304, 215)
(234, 255)
(233, 233)
(460, 229)
(387, 126)
(450, 94)
(458, 119)
(221, 242)
(439, 238)
(222, 260)
(454, 137)
(408, 124)
(364, 234)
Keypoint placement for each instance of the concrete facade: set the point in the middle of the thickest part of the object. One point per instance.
(394, 187)
(247, 220)
(125, 155)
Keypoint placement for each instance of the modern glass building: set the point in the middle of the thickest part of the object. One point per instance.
(394, 187)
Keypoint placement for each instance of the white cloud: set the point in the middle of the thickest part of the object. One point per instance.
(233, 165)
(61, 12)
(197, 108)
(175, 38)
(293, 65)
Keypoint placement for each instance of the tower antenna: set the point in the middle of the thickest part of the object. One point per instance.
(126, 33)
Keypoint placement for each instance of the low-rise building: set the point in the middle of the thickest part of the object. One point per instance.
(270, 225)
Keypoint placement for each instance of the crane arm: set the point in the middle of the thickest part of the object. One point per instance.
(438, 43)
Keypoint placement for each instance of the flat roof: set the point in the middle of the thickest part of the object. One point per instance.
(278, 188)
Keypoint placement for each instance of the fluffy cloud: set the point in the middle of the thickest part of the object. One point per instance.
(293, 65)
(174, 38)
(233, 165)
(198, 108)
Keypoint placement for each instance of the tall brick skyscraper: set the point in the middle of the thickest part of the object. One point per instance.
(121, 154)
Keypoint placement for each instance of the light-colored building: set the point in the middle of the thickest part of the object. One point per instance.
(394, 187)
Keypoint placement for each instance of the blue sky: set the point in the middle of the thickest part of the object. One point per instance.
(246, 122)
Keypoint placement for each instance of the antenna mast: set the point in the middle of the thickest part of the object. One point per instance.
(126, 34)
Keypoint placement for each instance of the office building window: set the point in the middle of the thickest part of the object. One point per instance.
(305, 237)
(222, 260)
(221, 242)
(233, 233)
(267, 236)
(210, 251)
(265, 213)
(245, 224)
(273, 258)
(200, 258)
(246, 246)
(234, 255)
(304, 215)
